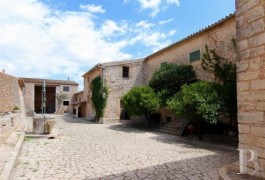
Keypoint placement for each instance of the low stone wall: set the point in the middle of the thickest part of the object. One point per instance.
(8, 124)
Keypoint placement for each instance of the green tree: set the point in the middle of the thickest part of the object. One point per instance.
(99, 97)
(141, 100)
(198, 102)
(169, 78)
(225, 73)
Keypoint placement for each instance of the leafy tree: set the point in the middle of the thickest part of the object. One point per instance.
(141, 100)
(225, 73)
(169, 78)
(99, 97)
(198, 101)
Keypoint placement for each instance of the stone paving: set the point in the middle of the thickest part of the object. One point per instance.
(85, 150)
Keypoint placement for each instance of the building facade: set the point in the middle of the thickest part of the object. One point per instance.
(58, 95)
(119, 77)
(11, 92)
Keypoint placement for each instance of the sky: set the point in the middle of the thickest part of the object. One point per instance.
(57, 39)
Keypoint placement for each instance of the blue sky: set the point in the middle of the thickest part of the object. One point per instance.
(64, 38)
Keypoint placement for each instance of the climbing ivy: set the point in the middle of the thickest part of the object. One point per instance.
(99, 97)
(225, 74)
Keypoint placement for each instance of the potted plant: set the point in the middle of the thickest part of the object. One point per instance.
(16, 109)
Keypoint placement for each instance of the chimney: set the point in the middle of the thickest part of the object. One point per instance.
(68, 79)
(3, 71)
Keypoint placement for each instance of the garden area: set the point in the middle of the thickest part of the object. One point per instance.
(207, 106)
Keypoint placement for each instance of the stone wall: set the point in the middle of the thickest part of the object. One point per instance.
(88, 77)
(8, 124)
(9, 93)
(219, 37)
(250, 24)
(119, 85)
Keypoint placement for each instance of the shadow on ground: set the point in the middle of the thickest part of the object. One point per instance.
(206, 167)
(209, 140)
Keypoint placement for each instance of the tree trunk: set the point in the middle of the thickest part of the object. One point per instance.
(150, 121)
(199, 130)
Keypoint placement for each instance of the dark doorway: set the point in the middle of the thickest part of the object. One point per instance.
(50, 99)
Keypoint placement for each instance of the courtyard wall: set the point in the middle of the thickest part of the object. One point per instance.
(250, 25)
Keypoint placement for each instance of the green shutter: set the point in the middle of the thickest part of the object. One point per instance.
(163, 64)
(195, 56)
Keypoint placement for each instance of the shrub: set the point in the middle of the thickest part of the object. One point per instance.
(169, 78)
(197, 101)
(141, 100)
(225, 73)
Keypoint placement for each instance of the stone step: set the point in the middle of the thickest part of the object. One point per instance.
(170, 132)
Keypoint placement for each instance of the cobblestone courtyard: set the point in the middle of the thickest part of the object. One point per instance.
(91, 151)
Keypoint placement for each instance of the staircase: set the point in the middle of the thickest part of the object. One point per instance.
(174, 127)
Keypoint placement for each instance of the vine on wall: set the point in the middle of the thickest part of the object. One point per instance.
(99, 97)
(225, 74)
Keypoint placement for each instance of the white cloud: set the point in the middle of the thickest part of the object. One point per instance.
(156, 5)
(165, 21)
(172, 32)
(110, 28)
(37, 41)
(144, 24)
(91, 8)
(176, 2)
(150, 4)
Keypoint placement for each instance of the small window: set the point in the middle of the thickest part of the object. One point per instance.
(195, 56)
(66, 88)
(66, 103)
(125, 71)
(88, 80)
(163, 64)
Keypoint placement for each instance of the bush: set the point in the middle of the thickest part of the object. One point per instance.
(198, 101)
(168, 80)
(141, 100)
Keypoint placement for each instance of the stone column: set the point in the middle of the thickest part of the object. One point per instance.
(76, 111)
(250, 25)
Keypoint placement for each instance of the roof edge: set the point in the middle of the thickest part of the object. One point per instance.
(230, 16)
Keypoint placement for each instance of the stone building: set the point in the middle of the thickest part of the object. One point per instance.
(219, 36)
(79, 104)
(119, 77)
(11, 92)
(56, 91)
(250, 30)
(11, 95)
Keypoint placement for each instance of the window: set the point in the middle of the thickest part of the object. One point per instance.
(195, 56)
(163, 64)
(66, 103)
(66, 88)
(88, 80)
(125, 71)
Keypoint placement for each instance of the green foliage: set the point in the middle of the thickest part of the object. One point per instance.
(99, 96)
(141, 100)
(225, 73)
(169, 78)
(60, 98)
(199, 100)
(16, 108)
